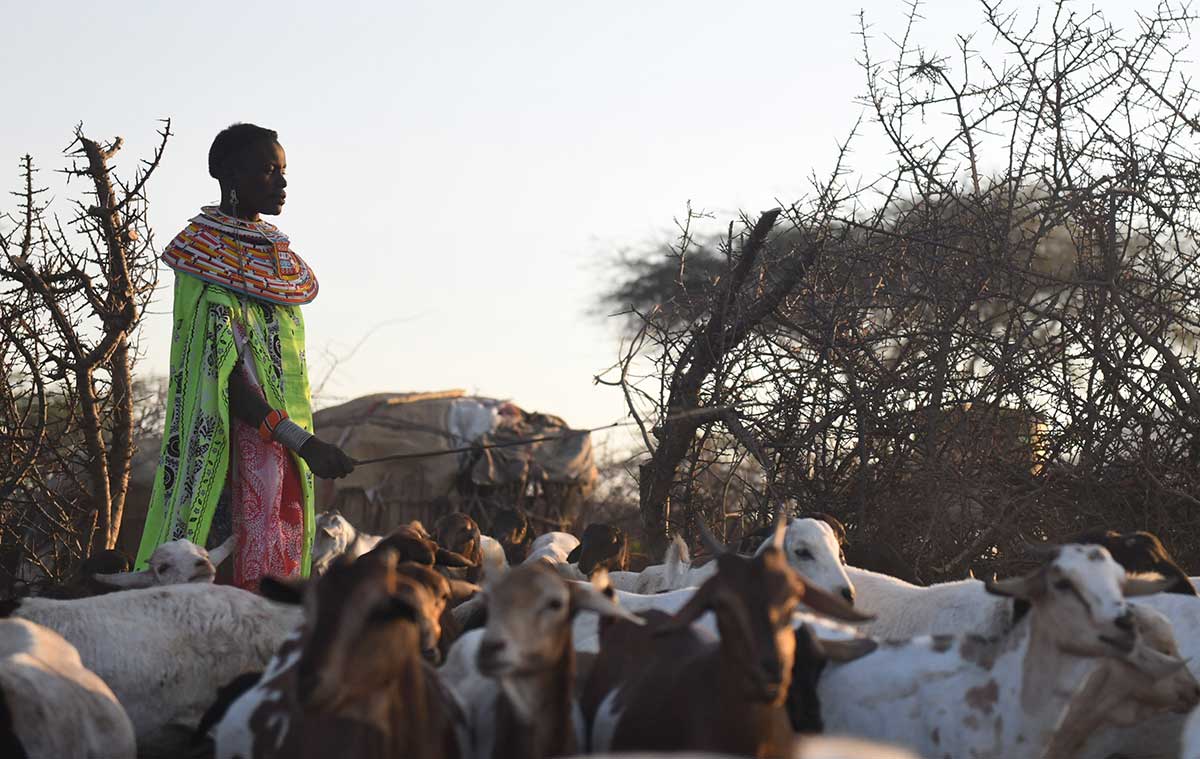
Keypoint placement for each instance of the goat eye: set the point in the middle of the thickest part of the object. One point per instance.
(1063, 585)
(164, 567)
(803, 553)
(554, 604)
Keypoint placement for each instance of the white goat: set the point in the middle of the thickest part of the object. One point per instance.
(903, 610)
(811, 547)
(336, 536)
(55, 707)
(1120, 695)
(672, 574)
(1158, 735)
(175, 562)
(495, 563)
(165, 651)
(553, 548)
(1001, 698)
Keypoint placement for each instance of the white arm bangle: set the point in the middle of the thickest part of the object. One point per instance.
(291, 435)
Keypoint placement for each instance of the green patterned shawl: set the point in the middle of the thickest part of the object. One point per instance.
(195, 452)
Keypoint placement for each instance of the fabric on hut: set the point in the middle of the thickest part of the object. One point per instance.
(388, 423)
(565, 461)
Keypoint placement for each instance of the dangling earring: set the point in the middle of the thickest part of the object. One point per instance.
(233, 197)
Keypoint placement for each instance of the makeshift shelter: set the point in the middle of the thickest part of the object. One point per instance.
(547, 478)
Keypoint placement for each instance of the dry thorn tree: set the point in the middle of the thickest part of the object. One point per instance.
(69, 312)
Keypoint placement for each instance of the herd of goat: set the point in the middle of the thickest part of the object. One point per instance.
(453, 643)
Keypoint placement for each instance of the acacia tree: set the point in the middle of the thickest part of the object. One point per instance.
(994, 341)
(69, 314)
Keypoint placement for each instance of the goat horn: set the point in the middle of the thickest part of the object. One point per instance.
(127, 580)
(221, 552)
(1039, 550)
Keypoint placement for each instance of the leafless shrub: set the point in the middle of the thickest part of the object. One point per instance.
(73, 297)
(994, 341)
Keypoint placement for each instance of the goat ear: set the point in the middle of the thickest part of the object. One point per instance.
(284, 590)
(1154, 664)
(573, 556)
(585, 597)
(461, 590)
(417, 526)
(127, 580)
(221, 552)
(472, 613)
(1043, 551)
(839, 529)
(844, 650)
(1146, 584)
(1027, 588)
(831, 605)
(779, 530)
(444, 558)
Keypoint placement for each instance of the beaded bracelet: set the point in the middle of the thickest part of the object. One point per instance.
(270, 422)
(291, 435)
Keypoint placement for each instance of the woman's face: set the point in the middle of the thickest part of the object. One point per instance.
(259, 180)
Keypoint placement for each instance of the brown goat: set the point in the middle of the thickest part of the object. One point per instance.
(416, 546)
(511, 530)
(355, 684)
(666, 687)
(446, 593)
(601, 547)
(460, 534)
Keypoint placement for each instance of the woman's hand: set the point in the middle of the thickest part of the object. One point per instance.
(326, 460)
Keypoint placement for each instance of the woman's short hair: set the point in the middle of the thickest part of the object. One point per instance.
(231, 141)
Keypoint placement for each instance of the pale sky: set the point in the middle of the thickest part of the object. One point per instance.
(460, 171)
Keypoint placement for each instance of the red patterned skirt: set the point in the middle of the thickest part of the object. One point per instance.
(267, 509)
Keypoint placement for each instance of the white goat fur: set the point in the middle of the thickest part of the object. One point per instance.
(494, 560)
(586, 629)
(672, 574)
(522, 628)
(175, 562)
(165, 651)
(59, 708)
(1157, 735)
(336, 536)
(811, 547)
(553, 547)
(999, 699)
(903, 610)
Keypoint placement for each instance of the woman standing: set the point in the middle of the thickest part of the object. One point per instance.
(238, 444)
